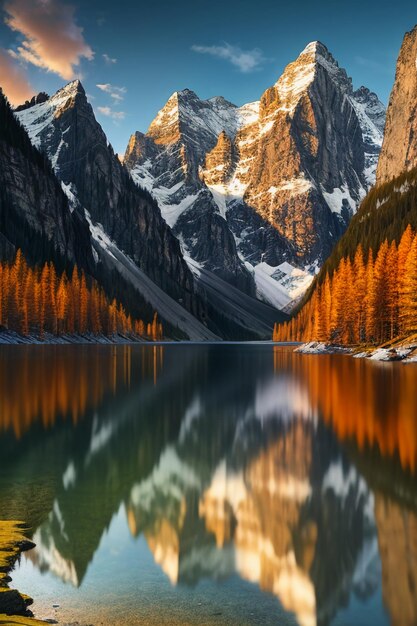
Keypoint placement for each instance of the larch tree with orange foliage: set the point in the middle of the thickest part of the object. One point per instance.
(365, 300)
(38, 301)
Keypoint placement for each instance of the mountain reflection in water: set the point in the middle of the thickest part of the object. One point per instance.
(294, 473)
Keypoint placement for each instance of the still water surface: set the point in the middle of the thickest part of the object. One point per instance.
(211, 484)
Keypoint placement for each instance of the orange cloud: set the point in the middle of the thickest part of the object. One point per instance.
(53, 41)
(13, 80)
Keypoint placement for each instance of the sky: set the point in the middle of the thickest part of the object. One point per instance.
(131, 56)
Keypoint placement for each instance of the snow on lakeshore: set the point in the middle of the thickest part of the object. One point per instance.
(406, 353)
(318, 347)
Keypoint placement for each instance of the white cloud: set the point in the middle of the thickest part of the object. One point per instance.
(117, 93)
(109, 60)
(245, 60)
(109, 112)
(52, 39)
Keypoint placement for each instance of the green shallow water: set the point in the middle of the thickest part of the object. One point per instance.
(236, 484)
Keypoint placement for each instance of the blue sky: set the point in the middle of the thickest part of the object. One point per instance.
(214, 47)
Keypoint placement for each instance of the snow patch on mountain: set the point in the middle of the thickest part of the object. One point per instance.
(40, 116)
(340, 198)
(371, 115)
(281, 286)
(215, 146)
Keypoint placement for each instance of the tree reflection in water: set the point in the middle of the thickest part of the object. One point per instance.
(295, 472)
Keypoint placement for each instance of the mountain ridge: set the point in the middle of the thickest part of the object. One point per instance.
(365, 293)
(129, 235)
(266, 173)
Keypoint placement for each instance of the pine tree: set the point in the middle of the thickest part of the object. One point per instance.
(379, 295)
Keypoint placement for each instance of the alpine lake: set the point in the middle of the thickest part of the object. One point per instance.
(211, 484)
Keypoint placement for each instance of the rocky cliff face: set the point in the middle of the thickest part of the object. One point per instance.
(253, 191)
(399, 150)
(65, 129)
(371, 115)
(139, 260)
(35, 214)
(167, 161)
(309, 144)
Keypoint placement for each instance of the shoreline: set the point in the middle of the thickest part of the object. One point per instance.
(14, 605)
(404, 351)
(11, 338)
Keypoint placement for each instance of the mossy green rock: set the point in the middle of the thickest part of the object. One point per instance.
(13, 605)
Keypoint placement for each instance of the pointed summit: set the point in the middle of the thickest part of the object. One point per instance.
(315, 48)
(300, 74)
(71, 89)
(186, 93)
(39, 117)
(283, 175)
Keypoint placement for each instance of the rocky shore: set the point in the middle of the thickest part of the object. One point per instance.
(405, 351)
(319, 347)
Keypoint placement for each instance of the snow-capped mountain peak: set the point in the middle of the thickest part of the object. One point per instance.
(300, 74)
(263, 172)
(37, 119)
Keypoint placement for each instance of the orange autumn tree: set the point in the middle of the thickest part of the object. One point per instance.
(38, 301)
(367, 299)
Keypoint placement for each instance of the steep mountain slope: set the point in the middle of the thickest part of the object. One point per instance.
(247, 189)
(384, 214)
(50, 225)
(399, 150)
(361, 297)
(65, 129)
(169, 158)
(129, 234)
(391, 205)
(35, 214)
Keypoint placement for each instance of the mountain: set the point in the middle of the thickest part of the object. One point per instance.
(391, 205)
(65, 129)
(121, 219)
(130, 236)
(259, 194)
(399, 150)
(40, 215)
(365, 292)
(35, 214)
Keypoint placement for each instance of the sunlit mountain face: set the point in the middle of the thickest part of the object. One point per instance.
(268, 485)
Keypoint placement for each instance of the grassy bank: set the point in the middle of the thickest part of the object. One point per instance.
(13, 604)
